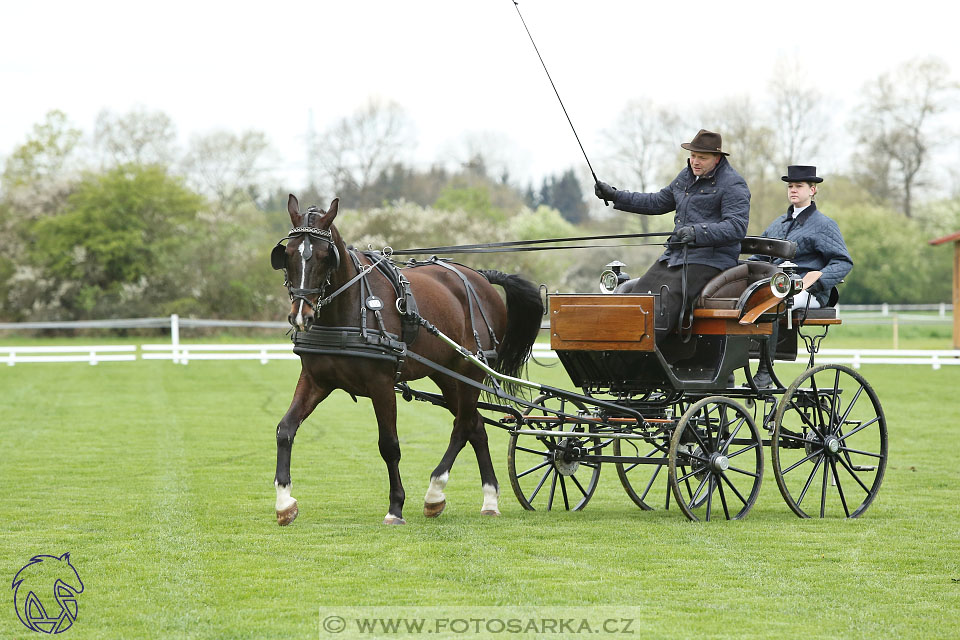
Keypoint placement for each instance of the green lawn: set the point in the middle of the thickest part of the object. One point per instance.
(158, 479)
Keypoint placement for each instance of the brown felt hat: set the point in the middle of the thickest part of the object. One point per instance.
(705, 142)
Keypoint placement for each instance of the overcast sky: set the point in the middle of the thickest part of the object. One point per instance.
(456, 66)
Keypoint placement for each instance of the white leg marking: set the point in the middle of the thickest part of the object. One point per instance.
(284, 499)
(435, 492)
(490, 496)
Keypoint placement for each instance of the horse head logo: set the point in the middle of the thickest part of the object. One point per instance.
(43, 581)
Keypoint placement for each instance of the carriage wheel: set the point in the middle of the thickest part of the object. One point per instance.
(545, 471)
(716, 460)
(638, 480)
(829, 443)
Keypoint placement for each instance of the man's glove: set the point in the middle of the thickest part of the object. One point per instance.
(684, 235)
(604, 191)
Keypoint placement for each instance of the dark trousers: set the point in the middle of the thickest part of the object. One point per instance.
(668, 282)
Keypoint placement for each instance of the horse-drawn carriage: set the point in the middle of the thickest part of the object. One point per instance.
(644, 404)
(674, 403)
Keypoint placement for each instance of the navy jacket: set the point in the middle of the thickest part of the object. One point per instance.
(820, 247)
(717, 206)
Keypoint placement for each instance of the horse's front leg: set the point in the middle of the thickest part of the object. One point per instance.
(385, 407)
(305, 399)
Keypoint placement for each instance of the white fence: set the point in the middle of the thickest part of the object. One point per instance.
(180, 353)
(90, 354)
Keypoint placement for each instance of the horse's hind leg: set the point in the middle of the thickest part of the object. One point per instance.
(385, 407)
(461, 399)
(305, 399)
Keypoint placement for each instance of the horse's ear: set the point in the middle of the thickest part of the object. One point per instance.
(332, 211)
(293, 208)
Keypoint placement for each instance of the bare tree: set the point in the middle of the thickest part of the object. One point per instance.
(37, 176)
(139, 136)
(641, 148)
(643, 139)
(231, 168)
(798, 113)
(897, 129)
(357, 148)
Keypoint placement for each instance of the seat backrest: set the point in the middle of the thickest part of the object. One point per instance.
(734, 281)
(773, 247)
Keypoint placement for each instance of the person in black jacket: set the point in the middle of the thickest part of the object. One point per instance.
(712, 205)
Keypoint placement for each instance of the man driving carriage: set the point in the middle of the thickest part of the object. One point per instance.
(712, 205)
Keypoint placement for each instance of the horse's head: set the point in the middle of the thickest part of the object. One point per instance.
(309, 259)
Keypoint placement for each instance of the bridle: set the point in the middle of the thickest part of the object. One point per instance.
(278, 260)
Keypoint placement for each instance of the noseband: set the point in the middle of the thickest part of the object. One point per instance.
(278, 260)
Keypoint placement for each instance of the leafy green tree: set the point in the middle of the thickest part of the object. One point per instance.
(108, 253)
(892, 261)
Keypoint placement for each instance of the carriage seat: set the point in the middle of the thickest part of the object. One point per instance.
(724, 290)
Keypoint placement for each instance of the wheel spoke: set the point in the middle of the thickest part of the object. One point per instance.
(709, 495)
(836, 478)
(734, 489)
(750, 447)
(533, 451)
(553, 490)
(692, 473)
(579, 486)
(729, 441)
(723, 500)
(532, 469)
(858, 429)
(823, 492)
(854, 475)
(563, 490)
(810, 479)
(743, 471)
(546, 474)
(800, 462)
(863, 453)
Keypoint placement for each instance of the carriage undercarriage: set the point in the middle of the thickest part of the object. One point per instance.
(645, 406)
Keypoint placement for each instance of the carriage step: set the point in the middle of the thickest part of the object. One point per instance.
(863, 467)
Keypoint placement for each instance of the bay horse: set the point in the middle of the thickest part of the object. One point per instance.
(328, 291)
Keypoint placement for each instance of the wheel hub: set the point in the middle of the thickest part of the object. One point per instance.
(719, 462)
(566, 457)
(832, 445)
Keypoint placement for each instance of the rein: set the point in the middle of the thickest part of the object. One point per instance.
(525, 245)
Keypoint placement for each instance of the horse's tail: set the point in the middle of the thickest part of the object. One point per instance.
(524, 314)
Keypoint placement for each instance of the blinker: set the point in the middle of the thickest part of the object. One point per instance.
(278, 258)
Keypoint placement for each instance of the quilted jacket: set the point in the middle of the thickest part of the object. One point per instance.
(717, 206)
(820, 247)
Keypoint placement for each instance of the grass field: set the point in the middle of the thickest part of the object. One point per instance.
(158, 479)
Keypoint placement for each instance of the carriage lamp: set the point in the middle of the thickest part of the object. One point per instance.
(612, 277)
(781, 285)
(796, 283)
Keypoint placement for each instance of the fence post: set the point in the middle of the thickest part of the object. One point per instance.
(885, 309)
(175, 337)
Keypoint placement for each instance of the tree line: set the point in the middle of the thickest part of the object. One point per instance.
(124, 222)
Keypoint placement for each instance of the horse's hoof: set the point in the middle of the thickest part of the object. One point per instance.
(434, 509)
(490, 512)
(288, 515)
(389, 519)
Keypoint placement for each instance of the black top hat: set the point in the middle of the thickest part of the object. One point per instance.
(801, 173)
(705, 142)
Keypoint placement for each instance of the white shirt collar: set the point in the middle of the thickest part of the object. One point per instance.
(793, 214)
